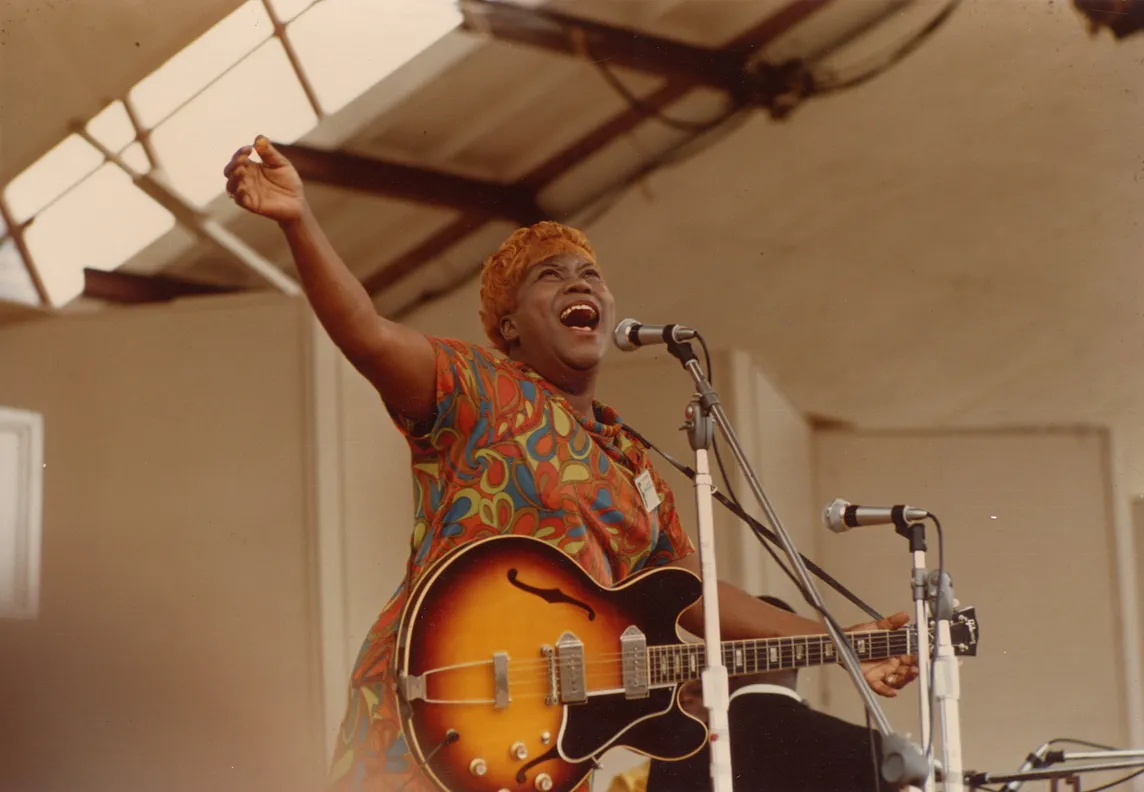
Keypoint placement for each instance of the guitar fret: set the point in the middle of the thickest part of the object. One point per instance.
(679, 663)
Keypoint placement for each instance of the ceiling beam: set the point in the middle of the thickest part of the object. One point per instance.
(379, 177)
(432, 246)
(601, 43)
(132, 288)
(595, 139)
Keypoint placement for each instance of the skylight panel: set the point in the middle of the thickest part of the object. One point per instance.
(259, 96)
(101, 223)
(347, 46)
(15, 281)
(137, 158)
(160, 93)
(112, 127)
(286, 10)
(50, 176)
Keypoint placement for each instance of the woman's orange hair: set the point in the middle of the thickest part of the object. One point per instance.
(504, 270)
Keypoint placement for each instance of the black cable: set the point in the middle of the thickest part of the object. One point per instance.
(1117, 782)
(451, 737)
(762, 533)
(706, 359)
(770, 550)
(895, 57)
(714, 439)
(727, 481)
(642, 107)
(760, 530)
(1085, 743)
(933, 644)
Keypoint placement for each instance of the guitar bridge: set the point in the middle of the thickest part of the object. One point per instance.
(500, 680)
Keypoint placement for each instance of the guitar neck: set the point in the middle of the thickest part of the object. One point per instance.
(680, 663)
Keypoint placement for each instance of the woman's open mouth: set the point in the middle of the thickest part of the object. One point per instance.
(581, 317)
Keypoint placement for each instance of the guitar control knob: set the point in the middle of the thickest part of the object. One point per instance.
(519, 750)
(545, 737)
(544, 782)
(478, 767)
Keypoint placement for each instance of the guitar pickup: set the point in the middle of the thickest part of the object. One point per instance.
(570, 669)
(633, 657)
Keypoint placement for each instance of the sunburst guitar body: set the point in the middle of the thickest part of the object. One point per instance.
(516, 671)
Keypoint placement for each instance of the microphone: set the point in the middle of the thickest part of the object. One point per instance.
(840, 516)
(631, 335)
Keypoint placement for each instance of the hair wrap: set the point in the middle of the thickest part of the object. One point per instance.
(504, 270)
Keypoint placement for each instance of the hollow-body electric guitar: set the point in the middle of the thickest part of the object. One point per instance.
(516, 671)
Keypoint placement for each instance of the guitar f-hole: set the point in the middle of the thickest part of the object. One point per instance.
(553, 595)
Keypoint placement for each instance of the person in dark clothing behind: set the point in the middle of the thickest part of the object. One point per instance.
(778, 743)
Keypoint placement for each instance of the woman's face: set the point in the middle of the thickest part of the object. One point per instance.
(564, 318)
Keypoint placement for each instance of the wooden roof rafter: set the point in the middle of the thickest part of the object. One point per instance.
(510, 21)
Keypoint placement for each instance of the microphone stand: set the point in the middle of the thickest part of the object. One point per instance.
(916, 533)
(902, 762)
(716, 695)
(1105, 760)
(947, 685)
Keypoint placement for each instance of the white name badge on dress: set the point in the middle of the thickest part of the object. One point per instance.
(646, 486)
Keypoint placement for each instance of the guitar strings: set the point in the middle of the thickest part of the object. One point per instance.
(897, 643)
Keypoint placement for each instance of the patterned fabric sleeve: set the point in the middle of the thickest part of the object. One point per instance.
(673, 543)
(458, 392)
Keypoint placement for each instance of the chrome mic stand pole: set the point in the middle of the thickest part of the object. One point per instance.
(715, 686)
(916, 533)
(947, 684)
(902, 761)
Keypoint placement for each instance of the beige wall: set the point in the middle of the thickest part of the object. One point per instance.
(1029, 542)
(176, 646)
(227, 508)
(1138, 532)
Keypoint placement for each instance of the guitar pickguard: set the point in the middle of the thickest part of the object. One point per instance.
(595, 725)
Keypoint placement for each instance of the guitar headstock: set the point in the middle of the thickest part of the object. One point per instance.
(964, 632)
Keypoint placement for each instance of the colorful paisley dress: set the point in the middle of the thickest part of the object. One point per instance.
(504, 455)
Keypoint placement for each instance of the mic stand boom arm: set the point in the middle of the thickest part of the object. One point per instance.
(902, 761)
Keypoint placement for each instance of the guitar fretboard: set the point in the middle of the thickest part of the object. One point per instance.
(684, 662)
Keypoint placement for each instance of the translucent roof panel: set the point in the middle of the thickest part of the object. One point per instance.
(285, 10)
(49, 176)
(259, 96)
(160, 93)
(347, 46)
(135, 156)
(101, 223)
(15, 282)
(112, 127)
